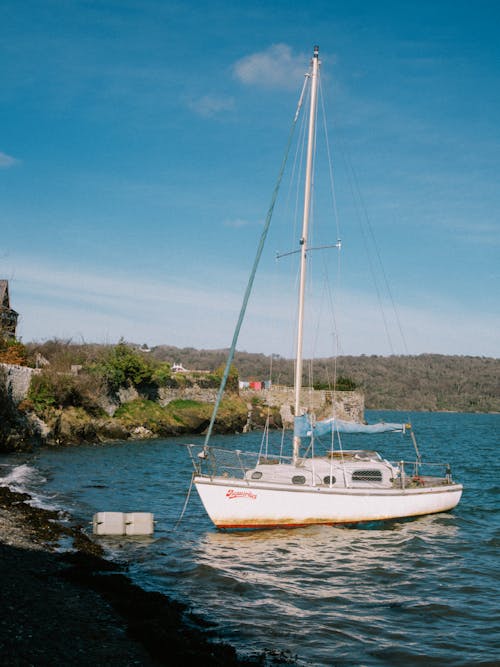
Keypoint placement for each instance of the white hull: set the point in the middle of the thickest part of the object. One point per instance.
(236, 504)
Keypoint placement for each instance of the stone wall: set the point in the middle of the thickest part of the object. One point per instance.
(18, 380)
(348, 405)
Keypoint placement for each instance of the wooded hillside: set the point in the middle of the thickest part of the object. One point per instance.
(424, 382)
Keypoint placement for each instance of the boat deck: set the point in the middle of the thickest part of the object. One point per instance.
(345, 469)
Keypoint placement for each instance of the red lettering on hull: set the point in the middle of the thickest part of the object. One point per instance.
(231, 494)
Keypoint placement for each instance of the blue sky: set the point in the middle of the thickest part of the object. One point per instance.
(140, 143)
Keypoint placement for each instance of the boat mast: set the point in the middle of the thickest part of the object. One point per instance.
(303, 241)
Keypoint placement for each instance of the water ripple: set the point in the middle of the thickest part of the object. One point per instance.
(419, 592)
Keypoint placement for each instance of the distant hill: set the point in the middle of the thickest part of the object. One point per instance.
(428, 382)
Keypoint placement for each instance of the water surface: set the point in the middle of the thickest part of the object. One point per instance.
(418, 592)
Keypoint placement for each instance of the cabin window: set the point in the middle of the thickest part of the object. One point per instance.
(329, 480)
(367, 476)
(256, 474)
(298, 479)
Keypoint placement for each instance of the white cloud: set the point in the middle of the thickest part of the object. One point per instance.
(236, 223)
(57, 301)
(478, 233)
(7, 161)
(96, 307)
(275, 67)
(436, 326)
(111, 291)
(211, 105)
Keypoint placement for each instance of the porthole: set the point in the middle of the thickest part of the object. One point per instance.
(329, 480)
(298, 479)
(256, 474)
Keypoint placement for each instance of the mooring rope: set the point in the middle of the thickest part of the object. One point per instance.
(185, 505)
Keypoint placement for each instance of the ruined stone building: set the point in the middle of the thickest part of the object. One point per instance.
(8, 316)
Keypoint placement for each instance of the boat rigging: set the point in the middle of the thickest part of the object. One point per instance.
(252, 490)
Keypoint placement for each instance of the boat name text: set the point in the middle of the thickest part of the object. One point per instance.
(231, 493)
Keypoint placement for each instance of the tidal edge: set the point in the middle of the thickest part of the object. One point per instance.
(64, 603)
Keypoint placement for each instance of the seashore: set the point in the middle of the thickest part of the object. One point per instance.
(63, 603)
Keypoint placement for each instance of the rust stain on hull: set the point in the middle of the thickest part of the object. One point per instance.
(284, 523)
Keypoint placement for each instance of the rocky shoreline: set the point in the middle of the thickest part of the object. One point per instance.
(72, 606)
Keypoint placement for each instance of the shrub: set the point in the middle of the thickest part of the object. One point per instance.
(142, 412)
(42, 395)
(345, 384)
(342, 384)
(121, 366)
(51, 389)
(232, 382)
(62, 354)
(162, 375)
(13, 352)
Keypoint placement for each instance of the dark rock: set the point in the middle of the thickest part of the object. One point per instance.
(112, 429)
(17, 432)
(78, 608)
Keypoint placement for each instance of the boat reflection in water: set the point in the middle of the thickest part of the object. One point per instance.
(341, 584)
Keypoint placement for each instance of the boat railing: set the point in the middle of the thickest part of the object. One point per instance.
(423, 473)
(218, 462)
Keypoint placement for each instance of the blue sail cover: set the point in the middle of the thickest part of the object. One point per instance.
(304, 428)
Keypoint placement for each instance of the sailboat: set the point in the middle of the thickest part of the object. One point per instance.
(256, 490)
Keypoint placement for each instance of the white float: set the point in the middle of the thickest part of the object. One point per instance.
(123, 523)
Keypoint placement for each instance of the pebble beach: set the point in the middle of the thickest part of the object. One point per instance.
(63, 603)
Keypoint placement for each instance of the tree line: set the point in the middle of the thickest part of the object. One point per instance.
(427, 382)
